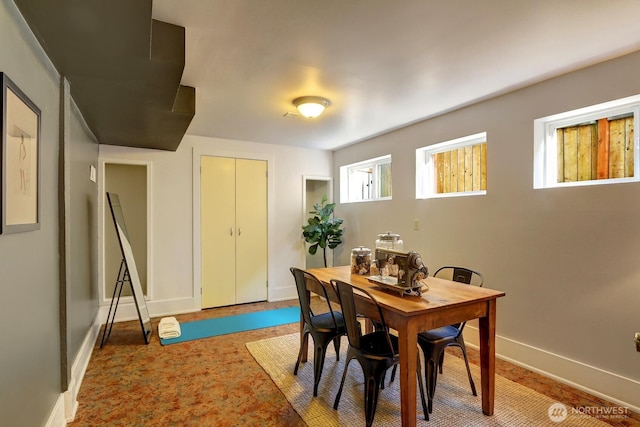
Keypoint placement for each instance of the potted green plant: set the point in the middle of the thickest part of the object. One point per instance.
(322, 230)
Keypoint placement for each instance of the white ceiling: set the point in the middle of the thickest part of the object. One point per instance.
(382, 63)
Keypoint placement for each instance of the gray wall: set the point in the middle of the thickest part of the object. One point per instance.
(566, 257)
(34, 359)
(29, 360)
(83, 295)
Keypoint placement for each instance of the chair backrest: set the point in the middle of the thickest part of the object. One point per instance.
(301, 277)
(347, 303)
(462, 275)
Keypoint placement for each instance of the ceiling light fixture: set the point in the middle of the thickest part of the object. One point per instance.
(311, 106)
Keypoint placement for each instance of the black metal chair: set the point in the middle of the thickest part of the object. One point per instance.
(435, 341)
(376, 351)
(323, 327)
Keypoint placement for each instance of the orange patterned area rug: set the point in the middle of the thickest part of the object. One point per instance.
(453, 404)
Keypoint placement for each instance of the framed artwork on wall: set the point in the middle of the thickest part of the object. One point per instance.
(19, 160)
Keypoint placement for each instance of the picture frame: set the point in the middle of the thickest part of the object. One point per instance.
(19, 160)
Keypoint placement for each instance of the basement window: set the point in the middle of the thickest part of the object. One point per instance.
(452, 168)
(366, 181)
(589, 146)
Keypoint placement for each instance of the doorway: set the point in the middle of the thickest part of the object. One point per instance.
(313, 189)
(131, 182)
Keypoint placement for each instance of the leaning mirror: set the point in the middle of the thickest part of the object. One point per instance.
(128, 273)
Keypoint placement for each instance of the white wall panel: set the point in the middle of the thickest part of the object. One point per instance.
(173, 204)
(567, 258)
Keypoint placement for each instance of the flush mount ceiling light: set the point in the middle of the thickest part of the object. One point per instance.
(311, 106)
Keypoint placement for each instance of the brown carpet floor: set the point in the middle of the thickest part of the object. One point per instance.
(216, 382)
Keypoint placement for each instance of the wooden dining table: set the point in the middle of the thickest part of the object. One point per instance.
(444, 303)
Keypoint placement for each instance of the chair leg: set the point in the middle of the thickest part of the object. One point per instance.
(421, 385)
(466, 362)
(344, 375)
(441, 362)
(393, 373)
(371, 392)
(431, 377)
(305, 338)
(318, 363)
(336, 346)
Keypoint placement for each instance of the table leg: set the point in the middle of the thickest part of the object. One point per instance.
(408, 342)
(488, 357)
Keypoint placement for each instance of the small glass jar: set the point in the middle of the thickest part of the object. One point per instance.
(389, 240)
(360, 260)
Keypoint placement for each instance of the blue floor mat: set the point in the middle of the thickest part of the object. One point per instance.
(227, 325)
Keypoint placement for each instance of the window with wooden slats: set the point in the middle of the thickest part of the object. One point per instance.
(589, 146)
(602, 149)
(452, 168)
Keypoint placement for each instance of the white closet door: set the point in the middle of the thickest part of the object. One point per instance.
(251, 223)
(218, 231)
(233, 227)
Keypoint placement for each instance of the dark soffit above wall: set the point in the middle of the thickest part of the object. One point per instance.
(124, 67)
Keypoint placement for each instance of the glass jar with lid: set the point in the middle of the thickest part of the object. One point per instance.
(360, 260)
(389, 240)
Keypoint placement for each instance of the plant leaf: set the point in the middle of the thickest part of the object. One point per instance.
(323, 229)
